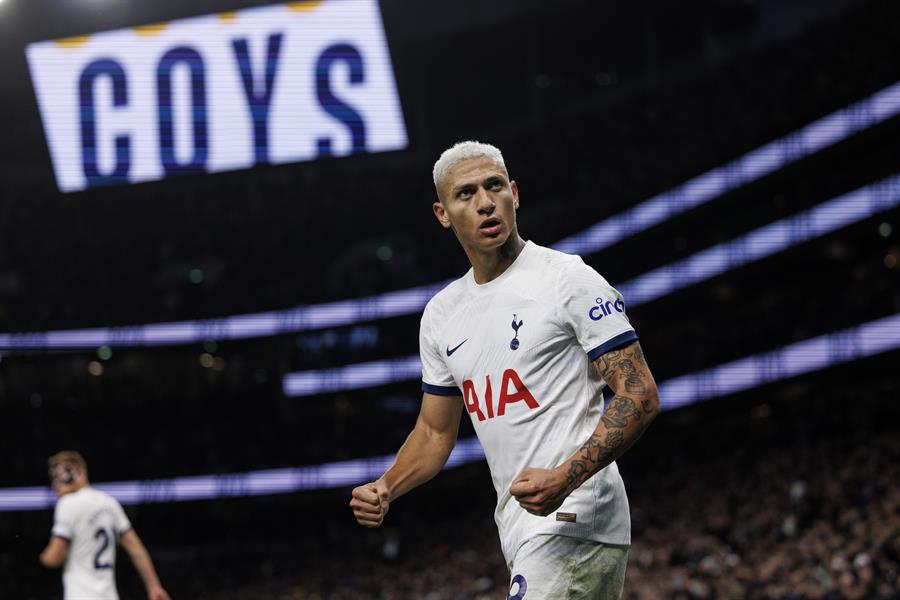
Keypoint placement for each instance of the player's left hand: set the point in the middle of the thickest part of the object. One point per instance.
(540, 491)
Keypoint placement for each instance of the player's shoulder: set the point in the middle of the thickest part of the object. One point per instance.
(571, 275)
(446, 298)
(67, 502)
(91, 496)
(75, 502)
(106, 498)
(563, 268)
(555, 260)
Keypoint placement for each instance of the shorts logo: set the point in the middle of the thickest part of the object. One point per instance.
(523, 587)
(604, 308)
(514, 344)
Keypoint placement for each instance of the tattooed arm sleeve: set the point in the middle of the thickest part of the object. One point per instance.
(628, 414)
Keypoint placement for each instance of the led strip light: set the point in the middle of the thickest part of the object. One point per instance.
(874, 337)
(760, 243)
(754, 165)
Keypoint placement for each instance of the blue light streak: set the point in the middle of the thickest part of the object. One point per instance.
(704, 188)
(869, 339)
(839, 212)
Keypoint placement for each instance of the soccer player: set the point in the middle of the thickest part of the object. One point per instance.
(525, 342)
(87, 524)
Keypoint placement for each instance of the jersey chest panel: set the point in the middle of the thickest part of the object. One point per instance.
(498, 349)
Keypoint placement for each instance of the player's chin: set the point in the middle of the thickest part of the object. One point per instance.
(492, 241)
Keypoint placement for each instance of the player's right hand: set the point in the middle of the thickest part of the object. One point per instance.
(157, 593)
(370, 502)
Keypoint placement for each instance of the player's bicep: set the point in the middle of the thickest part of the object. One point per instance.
(129, 539)
(626, 373)
(439, 416)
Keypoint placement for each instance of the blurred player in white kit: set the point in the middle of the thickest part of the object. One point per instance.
(525, 343)
(87, 526)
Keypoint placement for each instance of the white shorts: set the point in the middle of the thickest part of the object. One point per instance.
(556, 567)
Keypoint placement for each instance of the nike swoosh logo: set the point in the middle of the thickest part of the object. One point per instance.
(450, 352)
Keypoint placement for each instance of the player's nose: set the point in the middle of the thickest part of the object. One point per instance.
(484, 202)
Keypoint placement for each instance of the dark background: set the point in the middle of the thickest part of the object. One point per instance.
(596, 106)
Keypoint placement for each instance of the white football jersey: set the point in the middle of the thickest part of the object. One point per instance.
(92, 521)
(519, 350)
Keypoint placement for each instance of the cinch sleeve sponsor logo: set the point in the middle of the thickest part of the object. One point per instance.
(604, 308)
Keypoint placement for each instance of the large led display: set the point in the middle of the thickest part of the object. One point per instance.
(275, 84)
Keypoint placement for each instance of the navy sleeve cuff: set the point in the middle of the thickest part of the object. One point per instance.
(440, 390)
(623, 339)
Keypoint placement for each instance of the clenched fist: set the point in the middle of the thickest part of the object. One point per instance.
(540, 491)
(370, 503)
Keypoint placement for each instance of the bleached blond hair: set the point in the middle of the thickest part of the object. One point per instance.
(464, 151)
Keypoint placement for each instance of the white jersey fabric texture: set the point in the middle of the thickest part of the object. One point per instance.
(519, 350)
(92, 522)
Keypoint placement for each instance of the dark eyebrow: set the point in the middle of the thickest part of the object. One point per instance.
(489, 179)
(461, 187)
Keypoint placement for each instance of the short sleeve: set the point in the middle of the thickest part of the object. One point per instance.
(64, 519)
(436, 376)
(122, 524)
(593, 310)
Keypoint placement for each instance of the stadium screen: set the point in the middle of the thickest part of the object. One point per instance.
(268, 85)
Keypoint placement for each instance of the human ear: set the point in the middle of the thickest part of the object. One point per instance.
(441, 215)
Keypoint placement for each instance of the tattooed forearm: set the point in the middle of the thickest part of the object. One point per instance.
(631, 409)
(592, 456)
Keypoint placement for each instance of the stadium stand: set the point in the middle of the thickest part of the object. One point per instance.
(787, 492)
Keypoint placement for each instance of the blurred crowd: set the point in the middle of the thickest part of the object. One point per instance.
(790, 492)
(761, 505)
(821, 522)
(770, 509)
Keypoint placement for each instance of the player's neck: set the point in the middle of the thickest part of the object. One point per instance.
(490, 265)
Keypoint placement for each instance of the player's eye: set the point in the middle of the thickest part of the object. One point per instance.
(495, 185)
(464, 194)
